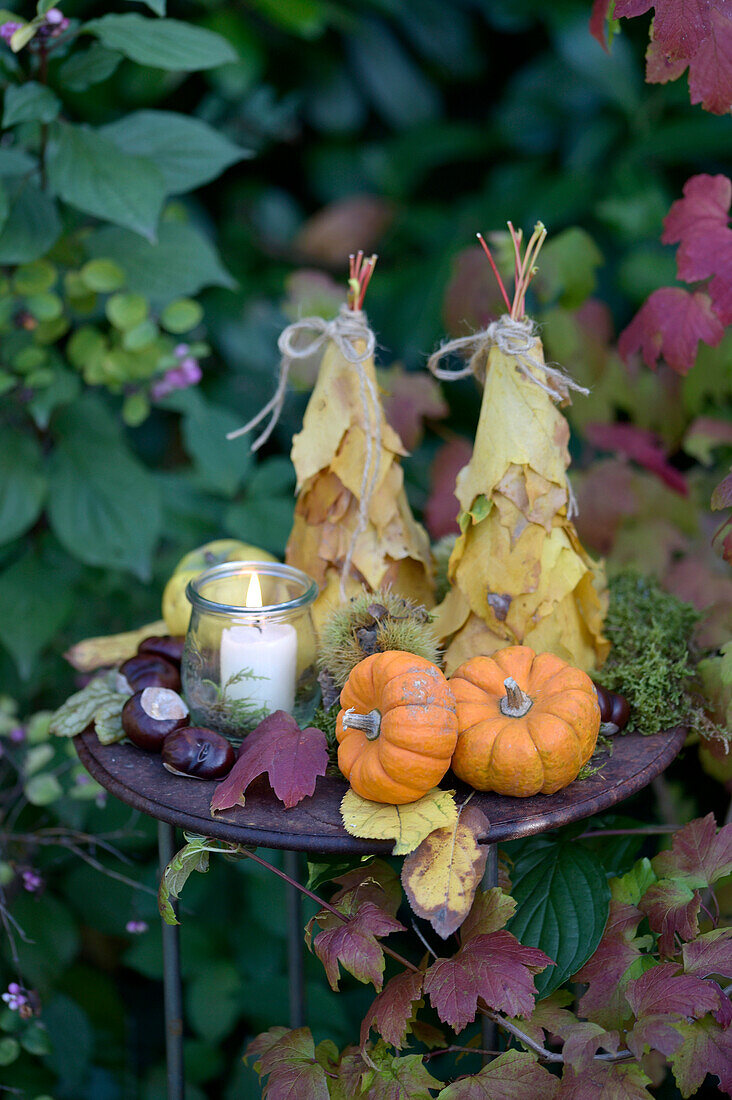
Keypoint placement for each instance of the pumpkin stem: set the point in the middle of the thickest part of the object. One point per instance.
(370, 723)
(515, 703)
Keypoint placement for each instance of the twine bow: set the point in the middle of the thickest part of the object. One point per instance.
(514, 338)
(350, 332)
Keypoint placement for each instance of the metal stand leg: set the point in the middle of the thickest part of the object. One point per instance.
(295, 943)
(171, 980)
(490, 879)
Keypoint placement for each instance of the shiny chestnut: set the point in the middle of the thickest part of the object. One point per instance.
(614, 710)
(149, 670)
(150, 715)
(198, 752)
(167, 646)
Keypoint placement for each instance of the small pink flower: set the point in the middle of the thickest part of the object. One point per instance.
(32, 881)
(17, 734)
(7, 30)
(15, 997)
(136, 927)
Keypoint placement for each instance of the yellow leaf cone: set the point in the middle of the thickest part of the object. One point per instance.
(519, 572)
(330, 455)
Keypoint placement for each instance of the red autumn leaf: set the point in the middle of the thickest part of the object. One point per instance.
(699, 854)
(669, 325)
(679, 27)
(722, 495)
(710, 953)
(411, 398)
(672, 908)
(710, 69)
(662, 66)
(491, 910)
(514, 1075)
(699, 224)
(616, 960)
(584, 1040)
(598, 21)
(292, 759)
(440, 514)
(288, 1059)
(605, 498)
(706, 1048)
(642, 446)
(654, 1033)
(664, 990)
(349, 1073)
(354, 944)
(396, 1078)
(496, 968)
(550, 1017)
(611, 1081)
(472, 297)
(720, 291)
(377, 882)
(722, 541)
(342, 227)
(392, 1009)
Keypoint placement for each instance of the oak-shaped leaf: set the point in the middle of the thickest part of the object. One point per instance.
(706, 1048)
(609, 1080)
(491, 910)
(354, 944)
(407, 825)
(672, 908)
(710, 953)
(392, 1009)
(669, 326)
(618, 958)
(396, 1078)
(287, 1058)
(292, 759)
(514, 1075)
(440, 878)
(495, 968)
(699, 854)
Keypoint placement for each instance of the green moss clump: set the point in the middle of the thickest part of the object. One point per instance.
(324, 719)
(374, 622)
(650, 662)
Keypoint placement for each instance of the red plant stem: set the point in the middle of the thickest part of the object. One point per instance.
(496, 272)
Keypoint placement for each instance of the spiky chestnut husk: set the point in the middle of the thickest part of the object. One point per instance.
(373, 622)
(441, 551)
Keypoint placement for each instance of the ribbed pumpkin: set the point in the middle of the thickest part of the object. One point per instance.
(527, 722)
(397, 728)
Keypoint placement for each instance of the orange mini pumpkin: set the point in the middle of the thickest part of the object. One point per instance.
(527, 722)
(397, 729)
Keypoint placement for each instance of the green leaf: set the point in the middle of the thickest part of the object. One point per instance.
(186, 150)
(64, 389)
(162, 43)
(220, 463)
(214, 1000)
(192, 857)
(104, 506)
(73, 716)
(90, 173)
(158, 6)
(103, 276)
(35, 1040)
(270, 519)
(43, 789)
(181, 315)
(126, 310)
(92, 66)
(9, 1050)
(567, 268)
(22, 483)
(32, 225)
(35, 602)
(181, 263)
(562, 900)
(24, 35)
(307, 18)
(34, 278)
(15, 162)
(37, 757)
(44, 307)
(108, 720)
(4, 205)
(29, 102)
(135, 409)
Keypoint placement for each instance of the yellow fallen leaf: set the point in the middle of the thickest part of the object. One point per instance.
(408, 824)
(110, 649)
(440, 878)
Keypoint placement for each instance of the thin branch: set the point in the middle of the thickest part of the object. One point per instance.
(647, 830)
(109, 872)
(420, 936)
(458, 1049)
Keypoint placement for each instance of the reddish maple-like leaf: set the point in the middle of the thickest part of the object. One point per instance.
(669, 325)
(288, 1059)
(699, 224)
(706, 1048)
(292, 759)
(614, 963)
(710, 953)
(710, 69)
(583, 1042)
(411, 398)
(654, 1033)
(496, 968)
(354, 944)
(700, 854)
(514, 1075)
(679, 26)
(491, 910)
(722, 495)
(664, 990)
(611, 1081)
(662, 66)
(672, 908)
(392, 1009)
(440, 514)
(641, 446)
(396, 1078)
(598, 21)
(377, 882)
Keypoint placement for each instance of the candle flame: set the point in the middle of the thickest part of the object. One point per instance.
(254, 592)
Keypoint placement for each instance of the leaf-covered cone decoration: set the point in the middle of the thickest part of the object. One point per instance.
(408, 824)
(514, 1075)
(518, 571)
(330, 456)
(354, 944)
(495, 968)
(288, 1059)
(110, 649)
(392, 1009)
(440, 878)
(292, 759)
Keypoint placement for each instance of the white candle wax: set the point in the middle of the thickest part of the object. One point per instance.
(269, 652)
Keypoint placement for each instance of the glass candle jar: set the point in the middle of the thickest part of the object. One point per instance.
(250, 646)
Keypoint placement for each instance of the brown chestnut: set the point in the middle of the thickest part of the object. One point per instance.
(614, 710)
(167, 646)
(150, 715)
(198, 752)
(149, 670)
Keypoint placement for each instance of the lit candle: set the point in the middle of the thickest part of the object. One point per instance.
(267, 651)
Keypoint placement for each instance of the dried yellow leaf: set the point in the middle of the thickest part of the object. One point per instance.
(440, 878)
(110, 649)
(408, 824)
